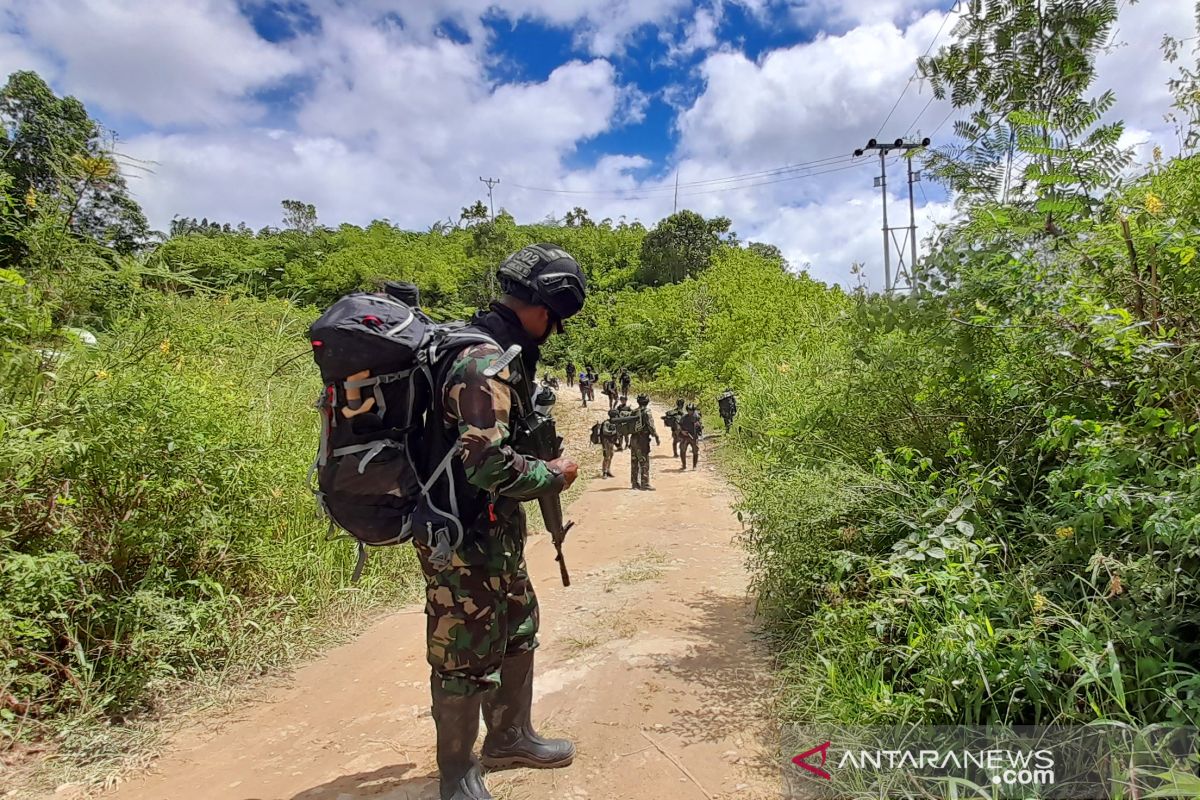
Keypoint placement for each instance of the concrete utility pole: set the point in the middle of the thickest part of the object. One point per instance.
(490, 183)
(904, 271)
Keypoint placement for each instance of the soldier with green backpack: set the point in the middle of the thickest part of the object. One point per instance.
(639, 447)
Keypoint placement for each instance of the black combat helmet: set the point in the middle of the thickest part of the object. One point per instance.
(643, 400)
(612, 413)
(679, 403)
(547, 275)
(691, 407)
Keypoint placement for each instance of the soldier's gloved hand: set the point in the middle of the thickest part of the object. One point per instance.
(567, 468)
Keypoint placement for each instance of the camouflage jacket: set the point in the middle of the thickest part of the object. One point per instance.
(645, 423)
(480, 408)
(672, 417)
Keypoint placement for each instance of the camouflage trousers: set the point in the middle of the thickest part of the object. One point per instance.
(686, 441)
(479, 608)
(639, 460)
(609, 446)
(674, 441)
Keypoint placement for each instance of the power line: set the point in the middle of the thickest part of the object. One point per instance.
(664, 191)
(667, 189)
(913, 77)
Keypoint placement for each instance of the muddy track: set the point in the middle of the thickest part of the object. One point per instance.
(648, 661)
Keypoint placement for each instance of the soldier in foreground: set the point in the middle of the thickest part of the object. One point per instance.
(727, 406)
(639, 448)
(481, 607)
(690, 430)
(671, 420)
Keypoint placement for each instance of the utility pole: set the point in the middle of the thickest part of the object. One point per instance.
(490, 183)
(675, 210)
(904, 271)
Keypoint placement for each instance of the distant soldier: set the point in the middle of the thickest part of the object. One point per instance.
(625, 410)
(610, 389)
(639, 450)
(625, 381)
(570, 373)
(690, 430)
(585, 387)
(608, 441)
(671, 420)
(727, 405)
(590, 370)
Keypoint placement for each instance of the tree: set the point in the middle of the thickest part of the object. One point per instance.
(578, 218)
(680, 246)
(769, 252)
(299, 216)
(1024, 66)
(59, 161)
(1185, 86)
(474, 214)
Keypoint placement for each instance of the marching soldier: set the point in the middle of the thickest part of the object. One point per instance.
(608, 441)
(727, 406)
(625, 381)
(671, 419)
(639, 450)
(610, 389)
(624, 410)
(690, 430)
(585, 387)
(570, 373)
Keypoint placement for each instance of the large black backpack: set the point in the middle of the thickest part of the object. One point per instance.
(379, 360)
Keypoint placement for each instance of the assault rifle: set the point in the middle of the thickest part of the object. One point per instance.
(537, 436)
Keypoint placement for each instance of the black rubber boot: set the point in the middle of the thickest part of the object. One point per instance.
(457, 721)
(511, 740)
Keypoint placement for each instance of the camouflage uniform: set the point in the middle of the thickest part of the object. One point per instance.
(482, 607)
(639, 449)
(690, 430)
(624, 410)
(671, 420)
(626, 380)
(570, 373)
(608, 441)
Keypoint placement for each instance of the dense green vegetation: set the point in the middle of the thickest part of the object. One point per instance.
(979, 502)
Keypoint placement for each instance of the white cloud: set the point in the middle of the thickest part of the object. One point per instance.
(165, 63)
(396, 122)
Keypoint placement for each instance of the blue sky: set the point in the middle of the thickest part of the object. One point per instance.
(394, 108)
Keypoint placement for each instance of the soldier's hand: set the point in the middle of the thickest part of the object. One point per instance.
(567, 468)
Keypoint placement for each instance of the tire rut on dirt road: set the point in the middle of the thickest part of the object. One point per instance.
(648, 662)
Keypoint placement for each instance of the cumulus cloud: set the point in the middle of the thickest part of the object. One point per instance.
(395, 120)
(165, 63)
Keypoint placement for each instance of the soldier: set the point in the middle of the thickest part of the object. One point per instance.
(608, 441)
(639, 449)
(625, 381)
(727, 406)
(570, 373)
(481, 608)
(624, 410)
(610, 389)
(585, 385)
(671, 418)
(690, 430)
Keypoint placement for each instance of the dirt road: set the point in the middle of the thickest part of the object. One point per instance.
(647, 662)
